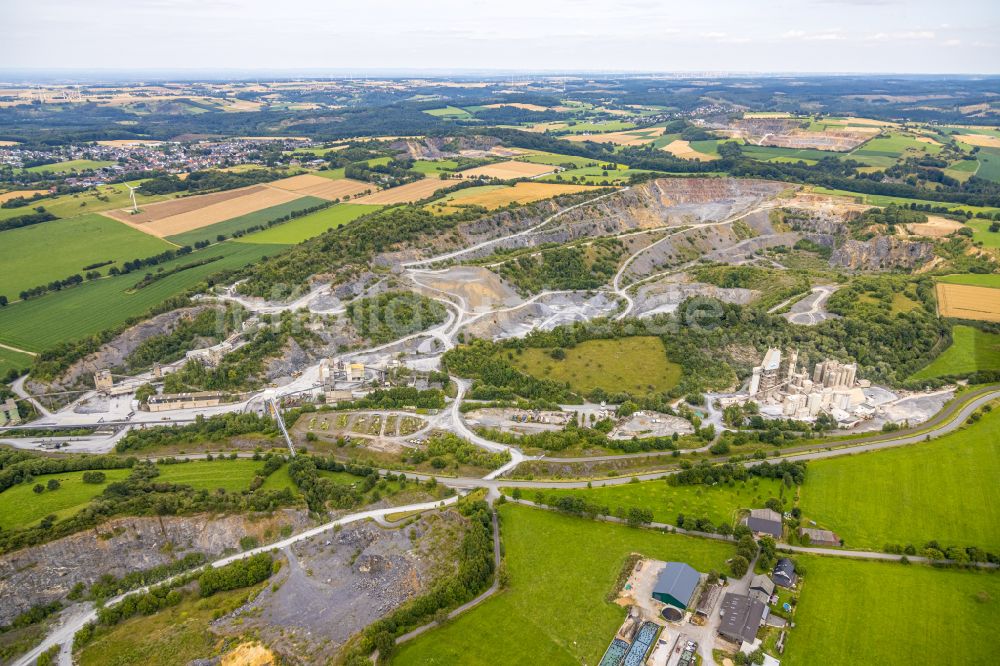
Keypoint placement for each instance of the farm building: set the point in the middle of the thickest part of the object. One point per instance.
(784, 573)
(761, 588)
(764, 522)
(676, 585)
(819, 537)
(742, 616)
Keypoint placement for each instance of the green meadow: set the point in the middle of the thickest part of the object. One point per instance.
(717, 503)
(70, 314)
(971, 349)
(977, 279)
(21, 506)
(449, 112)
(554, 611)
(637, 365)
(36, 255)
(69, 165)
(862, 612)
(12, 360)
(314, 224)
(944, 490)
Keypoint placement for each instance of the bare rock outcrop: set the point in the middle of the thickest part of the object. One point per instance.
(882, 253)
(48, 572)
(114, 353)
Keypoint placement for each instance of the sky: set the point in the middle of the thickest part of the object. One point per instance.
(904, 36)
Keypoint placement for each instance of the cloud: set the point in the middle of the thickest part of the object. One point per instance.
(901, 36)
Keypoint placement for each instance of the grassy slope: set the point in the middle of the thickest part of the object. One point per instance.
(20, 506)
(981, 232)
(54, 250)
(638, 365)
(229, 227)
(12, 359)
(970, 350)
(176, 635)
(944, 490)
(41, 322)
(554, 611)
(303, 228)
(856, 612)
(717, 503)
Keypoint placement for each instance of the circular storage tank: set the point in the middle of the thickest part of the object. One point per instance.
(671, 614)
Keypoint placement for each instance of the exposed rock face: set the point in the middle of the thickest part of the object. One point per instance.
(882, 253)
(48, 572)
(114, 353)
(292, 359)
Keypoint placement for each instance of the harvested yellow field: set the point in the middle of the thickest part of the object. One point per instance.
(324, 188)
(408, 193)
(682, 149)
(965, 301)
(498, 197)
(204, 210)
(984, 140)
(7, 196)
(927, 139)
(165, 209)
(8, 143)
(934, 227)
(636, 137)
(508, 170)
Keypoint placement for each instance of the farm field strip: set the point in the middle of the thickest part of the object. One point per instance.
(324, 188)
(683, 150)
(492, 197)
(71, 314)
(308, 226)
(966, 301)
(508, 170)
(408, 193)
(15, 194)
(40, 253)
(243, 222)
(250, 200)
